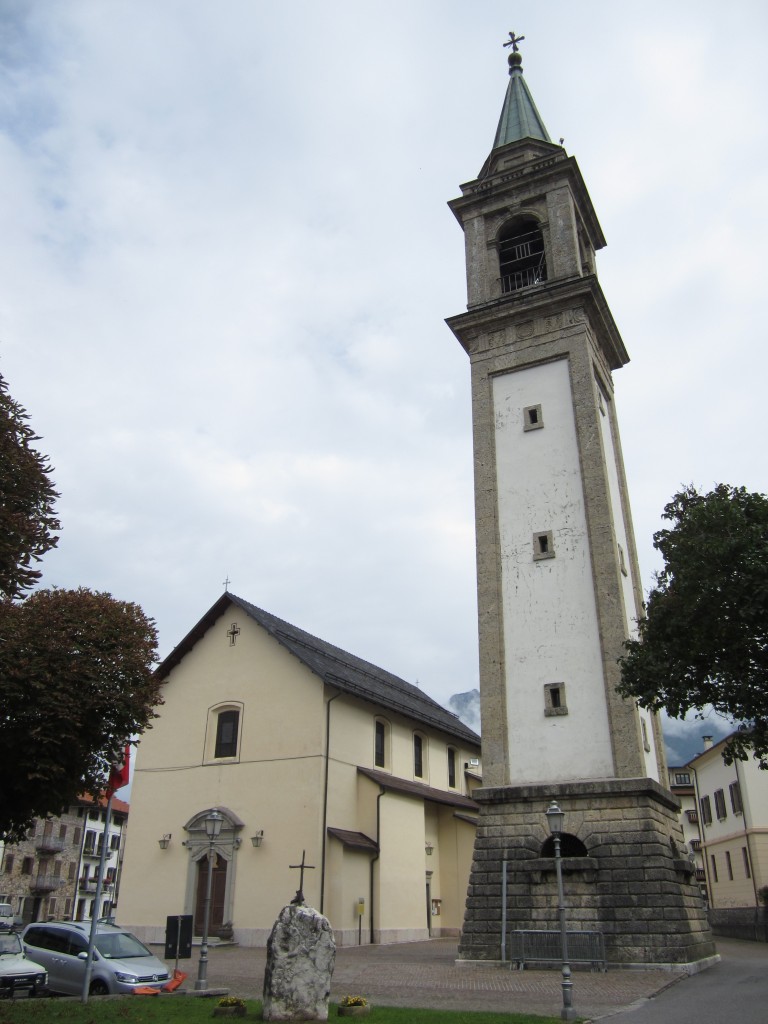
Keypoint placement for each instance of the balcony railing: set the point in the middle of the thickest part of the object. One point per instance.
(49, 844)
(695, 844)
(45, 883)
(693, 816)
(90, 851)
(701, 875)
(89, 885)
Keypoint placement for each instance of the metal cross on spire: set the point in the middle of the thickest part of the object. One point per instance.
(298, 899)
(513, 41)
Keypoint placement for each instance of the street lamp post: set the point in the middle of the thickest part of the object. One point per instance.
(555, 818)
(212, 822)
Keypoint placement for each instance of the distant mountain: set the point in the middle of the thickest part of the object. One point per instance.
(467, 707)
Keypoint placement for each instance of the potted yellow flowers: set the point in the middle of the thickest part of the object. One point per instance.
(354, 1006)
(230, 1006)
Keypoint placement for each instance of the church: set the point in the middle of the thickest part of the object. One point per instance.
(309, 754)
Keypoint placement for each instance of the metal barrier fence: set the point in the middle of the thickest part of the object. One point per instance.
(545, 946)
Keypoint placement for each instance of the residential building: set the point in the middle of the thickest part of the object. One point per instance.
(682, 784)
(306, 751)
(733, 819)
(52, 872)
(94, 820)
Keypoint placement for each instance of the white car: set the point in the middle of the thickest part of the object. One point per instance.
(17, 972)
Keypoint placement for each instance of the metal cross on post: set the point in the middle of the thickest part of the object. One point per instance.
(513, 41)
(233, 633)
(298, 899)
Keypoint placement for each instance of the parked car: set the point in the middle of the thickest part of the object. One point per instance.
(17, 972)
(6, 917)
(120, 962)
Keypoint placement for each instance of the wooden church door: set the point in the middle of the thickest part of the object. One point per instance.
(218, 891)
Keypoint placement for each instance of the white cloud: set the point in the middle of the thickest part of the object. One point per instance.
(226, 260)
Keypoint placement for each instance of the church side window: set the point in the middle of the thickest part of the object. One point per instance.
(521, 256)
(451, 768)
(418, 755)
(226, 733)
(381, 743)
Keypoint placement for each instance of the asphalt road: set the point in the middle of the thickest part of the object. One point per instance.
(735, 990)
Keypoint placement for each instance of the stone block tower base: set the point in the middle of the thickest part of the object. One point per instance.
(630, 878)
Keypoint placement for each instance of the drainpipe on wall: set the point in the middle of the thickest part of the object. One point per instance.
(376, 857)
(325, 798)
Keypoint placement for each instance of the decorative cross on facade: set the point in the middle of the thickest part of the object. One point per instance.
(298, 899)
(513, 41)
(233, 633)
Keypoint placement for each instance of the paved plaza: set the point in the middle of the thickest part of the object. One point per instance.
(425, 974)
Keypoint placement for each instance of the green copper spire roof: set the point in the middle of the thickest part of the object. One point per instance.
(519, 117)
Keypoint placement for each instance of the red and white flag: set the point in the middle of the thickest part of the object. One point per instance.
(120, 773)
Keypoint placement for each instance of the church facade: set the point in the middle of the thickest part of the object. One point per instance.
(305, 750)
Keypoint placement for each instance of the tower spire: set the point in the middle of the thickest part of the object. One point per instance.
(519, 117)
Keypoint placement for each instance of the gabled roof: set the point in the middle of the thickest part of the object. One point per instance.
(335, 667)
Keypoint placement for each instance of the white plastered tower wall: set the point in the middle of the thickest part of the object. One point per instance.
(558, 580)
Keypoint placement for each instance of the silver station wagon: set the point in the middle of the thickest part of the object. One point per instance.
(120, 962)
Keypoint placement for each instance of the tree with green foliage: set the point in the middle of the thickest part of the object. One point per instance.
(76, 667)
(704, 641)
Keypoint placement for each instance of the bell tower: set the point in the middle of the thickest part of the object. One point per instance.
(558, 582)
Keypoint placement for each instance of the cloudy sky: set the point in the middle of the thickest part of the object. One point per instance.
(226, 258)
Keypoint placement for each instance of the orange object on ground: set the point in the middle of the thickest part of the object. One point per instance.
(179, 977)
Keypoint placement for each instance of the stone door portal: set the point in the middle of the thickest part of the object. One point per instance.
(218, 891)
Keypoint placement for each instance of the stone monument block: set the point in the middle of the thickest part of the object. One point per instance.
(301, 953)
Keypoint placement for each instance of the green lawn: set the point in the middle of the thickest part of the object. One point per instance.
(172, 1009)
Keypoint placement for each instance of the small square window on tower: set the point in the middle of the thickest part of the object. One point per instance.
(532, 418)
(543, 546)
(622, 562)
(554, 700)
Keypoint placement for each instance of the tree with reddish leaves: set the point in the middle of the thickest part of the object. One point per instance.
(76, 666)
(704, 641)
(28, 524)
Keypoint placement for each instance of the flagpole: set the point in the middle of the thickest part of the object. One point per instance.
(118, 777)
(97, 899)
